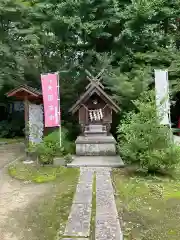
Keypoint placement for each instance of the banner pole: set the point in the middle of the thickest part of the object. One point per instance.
(60, 135)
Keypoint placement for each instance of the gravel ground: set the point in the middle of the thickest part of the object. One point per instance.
(9, 153)
(13, 194)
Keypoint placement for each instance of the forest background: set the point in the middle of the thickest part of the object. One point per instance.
(129, 39)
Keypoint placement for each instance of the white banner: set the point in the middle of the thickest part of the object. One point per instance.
(162, 96)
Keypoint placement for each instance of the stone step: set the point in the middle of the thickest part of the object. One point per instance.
(95, 139)
(98, 133)
(104, 149)
(96, 161)
(95, 128)
(95, 145)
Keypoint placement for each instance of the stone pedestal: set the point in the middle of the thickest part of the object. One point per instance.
(98, 130)
(95, 145)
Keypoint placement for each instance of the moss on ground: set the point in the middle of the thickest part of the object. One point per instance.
(148, 205)
(35, 173)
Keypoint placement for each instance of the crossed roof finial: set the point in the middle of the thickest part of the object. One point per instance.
(94, 80)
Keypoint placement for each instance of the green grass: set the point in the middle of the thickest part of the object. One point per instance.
(35, 173)
(47, 215)
(148, 205)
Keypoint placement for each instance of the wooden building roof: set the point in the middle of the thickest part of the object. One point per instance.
(94, 87)
(24, 91)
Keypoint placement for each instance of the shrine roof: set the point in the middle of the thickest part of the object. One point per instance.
(88, 93)
(24, 88)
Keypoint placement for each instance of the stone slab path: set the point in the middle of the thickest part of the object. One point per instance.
(107, 222)
(80, 216)
(107, 225)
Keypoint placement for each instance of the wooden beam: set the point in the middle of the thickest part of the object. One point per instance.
(26, 119)
(88, 86)
(100, 73)
(88, 73)
(91, 77)
(93, 82)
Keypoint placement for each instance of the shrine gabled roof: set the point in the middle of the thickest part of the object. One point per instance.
(91, 90)
(32, 91)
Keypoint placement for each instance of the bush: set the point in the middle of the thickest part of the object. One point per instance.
(12, 127)
(160, 159)
(50, 147)
(143, 141)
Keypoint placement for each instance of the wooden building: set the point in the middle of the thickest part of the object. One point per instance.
(33, 111)
(94, 109)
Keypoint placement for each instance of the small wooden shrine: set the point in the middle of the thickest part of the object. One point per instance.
(95, 117)
(33, 111)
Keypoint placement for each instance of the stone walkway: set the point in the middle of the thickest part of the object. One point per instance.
(107, 225)
(80, 216)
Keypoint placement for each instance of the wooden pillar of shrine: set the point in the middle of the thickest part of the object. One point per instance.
(26, 119)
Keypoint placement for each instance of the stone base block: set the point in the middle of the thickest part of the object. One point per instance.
(97, 161)
(95, 146)
(59, 162)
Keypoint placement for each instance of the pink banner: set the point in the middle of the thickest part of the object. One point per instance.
(50, 98)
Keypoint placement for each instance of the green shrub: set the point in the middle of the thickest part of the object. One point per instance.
(143, 141)
(12, 127)
(50, 147)
(160, 159)
(68, 158)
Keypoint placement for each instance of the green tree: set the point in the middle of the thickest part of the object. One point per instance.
(69, 36)
(143, 141)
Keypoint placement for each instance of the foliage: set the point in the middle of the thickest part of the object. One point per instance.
(50, 147)
(68, 158)
(13, 126)
(160, 159)
(69, 36)
(129, 86)
(143, 141)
